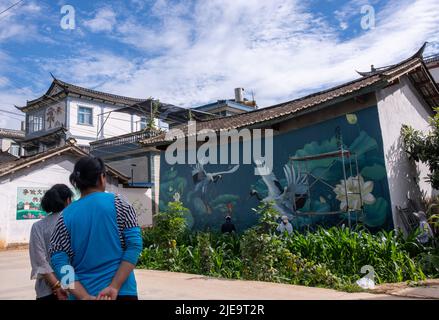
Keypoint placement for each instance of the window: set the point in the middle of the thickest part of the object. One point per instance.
(14, 150)
(85, 116)
(142, 123)
(36, 122)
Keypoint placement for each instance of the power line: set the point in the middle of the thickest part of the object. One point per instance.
(10, 112)
(10, 7)
(13, 117)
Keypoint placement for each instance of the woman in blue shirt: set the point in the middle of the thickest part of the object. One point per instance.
(97, 240)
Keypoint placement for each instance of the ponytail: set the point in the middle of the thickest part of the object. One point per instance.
(86, 172)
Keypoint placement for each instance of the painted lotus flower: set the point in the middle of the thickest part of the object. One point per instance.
(353, 197)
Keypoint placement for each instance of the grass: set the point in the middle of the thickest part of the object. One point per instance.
(331, 258)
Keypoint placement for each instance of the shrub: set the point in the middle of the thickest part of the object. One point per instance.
(324, 257)
(169, 226)
(344, 252)
(424, 147)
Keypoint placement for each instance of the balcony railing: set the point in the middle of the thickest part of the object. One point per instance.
(432, 58)
(129, 138)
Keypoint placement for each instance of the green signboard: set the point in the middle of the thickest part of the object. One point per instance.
(29, 202)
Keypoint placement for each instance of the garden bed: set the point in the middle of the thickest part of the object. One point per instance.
(331, 258)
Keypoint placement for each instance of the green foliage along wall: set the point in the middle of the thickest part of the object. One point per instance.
(237, 192)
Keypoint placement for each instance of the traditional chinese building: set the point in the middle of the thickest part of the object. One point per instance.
(337, 156)
(69, 111)
(432, 63)
(10, 142)
(24, 181)
(229, 107)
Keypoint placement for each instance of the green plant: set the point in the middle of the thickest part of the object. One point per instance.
(205, 252)
(323, 257)
(424, 147)
(154, 112)
(267, 218)
(260, 254)
(345, 252)
(169, 226)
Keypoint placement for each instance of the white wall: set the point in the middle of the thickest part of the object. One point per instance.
(397, 105)
(140, 199)
(5, 144)
(46, 174)
(140, 171)
(117, 124)
(13, 231)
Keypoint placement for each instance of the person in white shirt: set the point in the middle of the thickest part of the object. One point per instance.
(426, 232)
(285, 226)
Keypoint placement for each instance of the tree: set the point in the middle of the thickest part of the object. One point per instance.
(155, 105)
(424, 147)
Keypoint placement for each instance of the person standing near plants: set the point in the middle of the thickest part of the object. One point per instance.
(47, 285)
(228, 226)
(285, 226)
(98, 237)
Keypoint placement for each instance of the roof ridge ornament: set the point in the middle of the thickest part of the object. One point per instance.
(374, 70)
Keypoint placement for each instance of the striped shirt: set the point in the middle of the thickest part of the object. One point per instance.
(94, 235)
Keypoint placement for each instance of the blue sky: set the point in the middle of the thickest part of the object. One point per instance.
(194, 52)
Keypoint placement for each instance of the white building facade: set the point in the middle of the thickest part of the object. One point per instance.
(69, 111)
(23, 183)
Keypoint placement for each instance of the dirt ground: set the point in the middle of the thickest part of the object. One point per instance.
(15, 283)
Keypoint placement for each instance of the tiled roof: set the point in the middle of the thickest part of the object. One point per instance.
(289, 109)
(14, 166)
(168, 112)
(67, 88)
(6, 157)
(12, 134)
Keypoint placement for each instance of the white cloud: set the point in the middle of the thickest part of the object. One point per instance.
(17, 23)
(199, 51)
(104, 20)
(278, 48)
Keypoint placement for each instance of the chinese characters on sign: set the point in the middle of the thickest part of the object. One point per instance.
(29, 203)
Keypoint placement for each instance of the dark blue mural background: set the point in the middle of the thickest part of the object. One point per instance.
(361, 134)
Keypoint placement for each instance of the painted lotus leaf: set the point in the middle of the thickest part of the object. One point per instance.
(225, 199)
(375, 172)
(363, 143)
(333, 174)
(318, 206)
(318, 148)
(375, 215)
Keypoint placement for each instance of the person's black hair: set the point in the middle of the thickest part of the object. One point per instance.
(54, 200)
(86, 172)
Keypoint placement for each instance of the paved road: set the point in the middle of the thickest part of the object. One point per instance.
(15, 283)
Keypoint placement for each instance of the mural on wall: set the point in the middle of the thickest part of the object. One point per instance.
(29, 202)
(55, 116)
(311, 182)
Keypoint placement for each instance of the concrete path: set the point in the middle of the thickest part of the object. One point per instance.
(15, 283)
